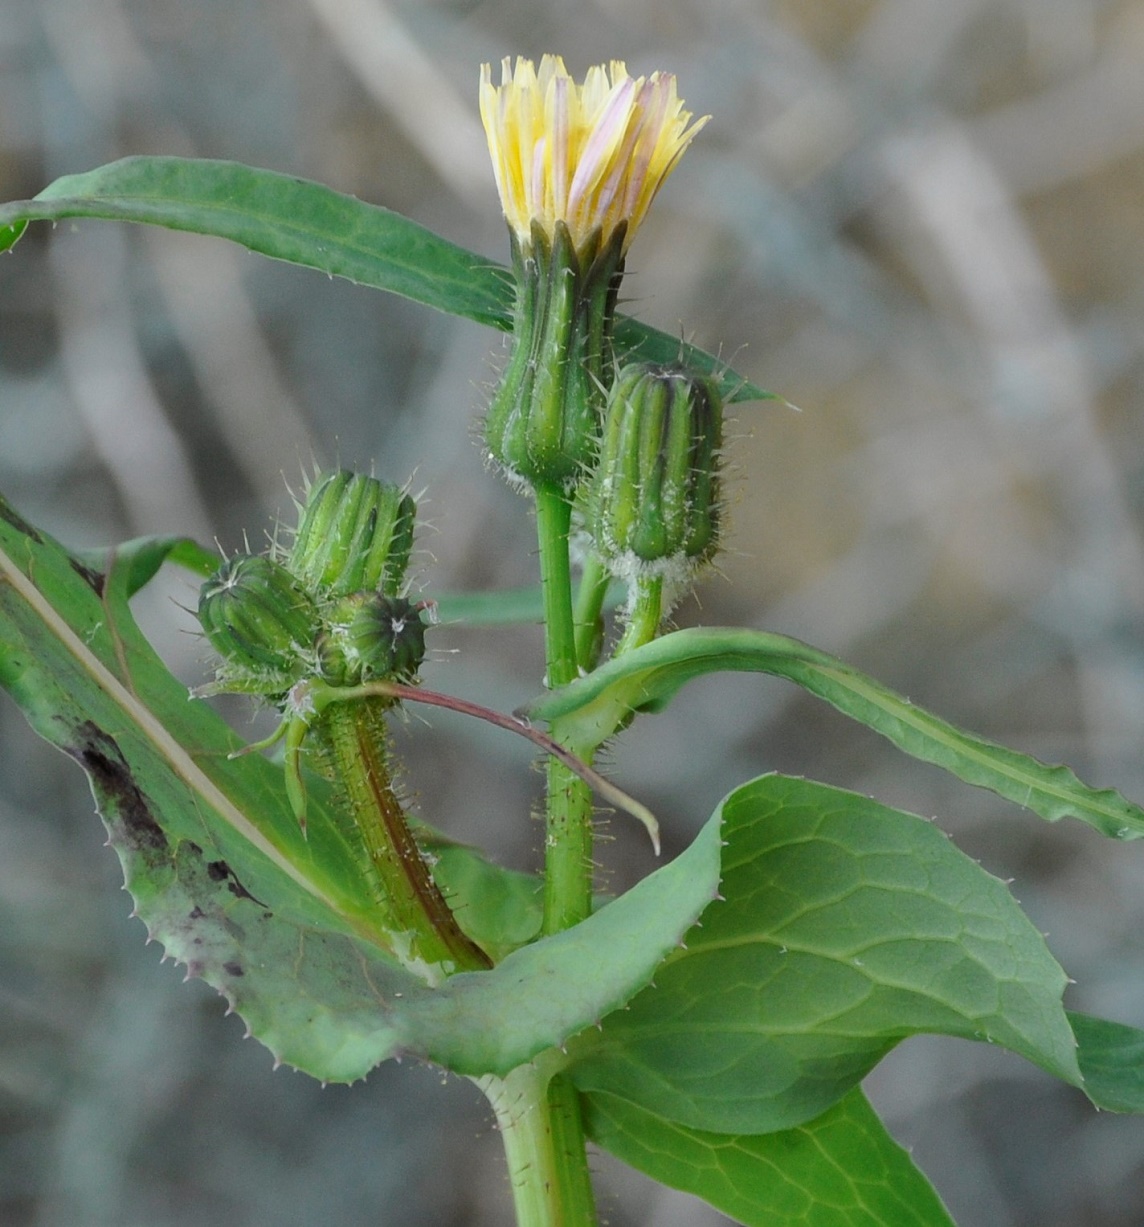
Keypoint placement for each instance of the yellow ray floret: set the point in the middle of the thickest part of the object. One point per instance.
(591, 155)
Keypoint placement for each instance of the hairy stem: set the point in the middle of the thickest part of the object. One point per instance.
(553, 521)
(544, 1147)
(422, 930)
(559, 1184)
(568, 835)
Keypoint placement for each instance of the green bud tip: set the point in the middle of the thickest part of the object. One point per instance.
(355, 534)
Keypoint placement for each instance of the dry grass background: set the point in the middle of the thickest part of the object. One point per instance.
(922, 221)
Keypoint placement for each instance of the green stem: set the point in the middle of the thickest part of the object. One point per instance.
(553, 522)
(571, 1155)
(419, 924)
(644, 615)
(568, 847)
(545, 1142)
(544, 1147)
(588, 619)
(568, 836)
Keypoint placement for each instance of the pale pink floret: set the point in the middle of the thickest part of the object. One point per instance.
(591, 155)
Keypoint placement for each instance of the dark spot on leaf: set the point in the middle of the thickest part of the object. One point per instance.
(119, 797)
(239, 891)
(233, 969)
(197, 913)
(94, 579)
(220, 871)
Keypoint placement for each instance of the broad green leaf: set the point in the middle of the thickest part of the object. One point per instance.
(544, 993)
(840, 1170)
(845, 927)
(284, 925)
(210, 852)
(647, 678)
(288, 219)
(74, 660)
(1111, 1057)
(312, 225)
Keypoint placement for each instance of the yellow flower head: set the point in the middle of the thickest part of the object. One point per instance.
(592, 156)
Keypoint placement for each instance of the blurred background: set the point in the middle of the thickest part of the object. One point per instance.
(921, 221)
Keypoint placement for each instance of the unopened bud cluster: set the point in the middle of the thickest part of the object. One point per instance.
(332, 607)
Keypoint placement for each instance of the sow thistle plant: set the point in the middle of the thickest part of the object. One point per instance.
(712, 1025)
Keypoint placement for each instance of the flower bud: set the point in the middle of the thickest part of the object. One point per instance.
(260, 622)
(653, 503)
(543, 422)
(355, 534)
(371, 637)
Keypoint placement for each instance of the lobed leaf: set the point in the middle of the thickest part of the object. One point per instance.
(845, 927)
(842, 1169)
(312, 225)
(647, 678)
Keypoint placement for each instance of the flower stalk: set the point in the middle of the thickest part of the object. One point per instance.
(350, 742)
(539, 1121)
(577, 167)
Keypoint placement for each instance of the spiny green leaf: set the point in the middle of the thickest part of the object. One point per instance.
(10, 234)
(72, 657)
(308, 224)
(648, 678)
(289, 219)
(840, 1170)
(544, 993)
(283, 925)
(846, 927)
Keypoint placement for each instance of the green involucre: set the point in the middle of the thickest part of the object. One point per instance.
(544, 417)
(261, 622)
(653, 497)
